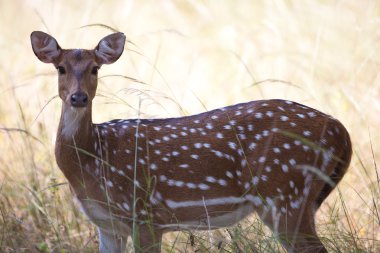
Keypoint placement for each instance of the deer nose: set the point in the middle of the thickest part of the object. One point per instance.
(79, 99)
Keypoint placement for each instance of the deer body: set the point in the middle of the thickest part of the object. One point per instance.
(278, 158)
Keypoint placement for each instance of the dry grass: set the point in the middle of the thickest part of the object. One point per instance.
(185, 57)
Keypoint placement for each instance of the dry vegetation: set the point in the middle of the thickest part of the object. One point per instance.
(185, 57)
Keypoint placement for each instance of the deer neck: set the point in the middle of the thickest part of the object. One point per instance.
(74, 142)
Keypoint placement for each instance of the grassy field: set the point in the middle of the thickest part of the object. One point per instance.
(185, 57)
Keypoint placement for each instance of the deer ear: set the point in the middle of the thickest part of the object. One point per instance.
(45, 47)
(110, 48)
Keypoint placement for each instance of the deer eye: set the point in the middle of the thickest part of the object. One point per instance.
(94, 70)
(61, 70)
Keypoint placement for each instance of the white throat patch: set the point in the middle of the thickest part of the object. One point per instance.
(71, 121)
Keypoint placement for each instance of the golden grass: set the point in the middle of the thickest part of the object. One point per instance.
(185, 57)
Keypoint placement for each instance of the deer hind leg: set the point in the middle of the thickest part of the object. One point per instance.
(110, 242)
(297, 231)
(304, 240)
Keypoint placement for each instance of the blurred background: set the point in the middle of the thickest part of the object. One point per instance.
(182, 58)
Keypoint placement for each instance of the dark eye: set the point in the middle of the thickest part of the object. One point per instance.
(61, 70)
(94, 70)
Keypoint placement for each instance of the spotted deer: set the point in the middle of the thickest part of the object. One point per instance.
(145, 177)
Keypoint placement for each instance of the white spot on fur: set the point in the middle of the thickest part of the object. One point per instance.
(219, 135)
(194, 156)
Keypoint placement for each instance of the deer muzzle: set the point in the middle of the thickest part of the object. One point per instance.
(79, 99)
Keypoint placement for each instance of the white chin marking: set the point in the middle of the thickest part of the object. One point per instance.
(71, 121)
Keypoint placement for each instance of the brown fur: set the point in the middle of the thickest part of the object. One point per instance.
(268, 156)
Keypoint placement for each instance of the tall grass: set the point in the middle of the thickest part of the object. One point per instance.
(185, 57)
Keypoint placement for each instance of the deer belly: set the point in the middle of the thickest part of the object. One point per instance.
(212, 218)
(232, 217)
(101, 217)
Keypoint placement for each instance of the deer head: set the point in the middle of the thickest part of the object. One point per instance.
(77, 68)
